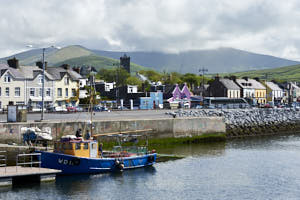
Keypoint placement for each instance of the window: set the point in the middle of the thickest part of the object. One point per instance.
(73, 92)
(67, 92)
(40, 78)
(40, 92)
(7, 78)
(0, 91)
(17, 91)
(78, 146)
(48, 92)
(32, 92)
(86, 146)
(7, 92)
(0, 104)
(67, 80)
(59, 92)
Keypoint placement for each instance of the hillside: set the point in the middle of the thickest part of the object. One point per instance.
(220, 60)
(74, 55)
(98, 62)
(289, 73)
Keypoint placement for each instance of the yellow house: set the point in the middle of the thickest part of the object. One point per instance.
(66, 85)
(260, 92)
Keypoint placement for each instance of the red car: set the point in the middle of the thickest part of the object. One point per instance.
(71, 109)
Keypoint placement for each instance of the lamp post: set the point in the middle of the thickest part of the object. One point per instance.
(203, 70)
(43, 75)
(117, 81)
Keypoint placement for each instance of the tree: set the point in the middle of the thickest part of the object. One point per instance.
(118, 75)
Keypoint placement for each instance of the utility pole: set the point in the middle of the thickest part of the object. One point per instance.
(202, 71)
(43, 85)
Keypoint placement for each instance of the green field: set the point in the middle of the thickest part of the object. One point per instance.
(289, 73)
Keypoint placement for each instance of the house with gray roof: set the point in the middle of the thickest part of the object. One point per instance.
(224, 87)
(12, 85)
(34, 86)
(274, 92)
(66, 85)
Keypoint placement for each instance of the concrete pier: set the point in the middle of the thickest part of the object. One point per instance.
(18, 175)
(161, 128)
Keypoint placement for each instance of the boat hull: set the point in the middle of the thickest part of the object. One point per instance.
(80, 165)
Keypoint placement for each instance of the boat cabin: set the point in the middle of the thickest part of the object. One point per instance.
(77, 147)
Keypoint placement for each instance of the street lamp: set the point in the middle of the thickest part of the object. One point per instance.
(203, 70)
(43, 75)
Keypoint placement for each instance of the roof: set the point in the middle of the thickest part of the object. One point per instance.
(16, 73)
(250, 84)
(229, 84)
(273, 86)
(59, 72)
(30, 72)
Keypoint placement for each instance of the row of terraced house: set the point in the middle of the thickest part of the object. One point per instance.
(255, 90)
(22, 85)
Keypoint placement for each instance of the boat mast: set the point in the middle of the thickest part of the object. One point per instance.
(91, 102)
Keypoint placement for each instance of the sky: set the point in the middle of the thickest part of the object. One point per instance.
(269, 27)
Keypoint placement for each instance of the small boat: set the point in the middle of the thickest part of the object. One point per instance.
(74, 155)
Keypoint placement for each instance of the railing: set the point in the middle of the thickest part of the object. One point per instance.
(3, 159)
(27, 159)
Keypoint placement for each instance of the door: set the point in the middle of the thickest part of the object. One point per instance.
(93, 149)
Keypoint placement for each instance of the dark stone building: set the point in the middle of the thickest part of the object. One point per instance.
(125, 62)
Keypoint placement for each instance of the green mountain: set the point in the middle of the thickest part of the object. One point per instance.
(98, 62)
(221, 60)
(289, 73)
(73, 55)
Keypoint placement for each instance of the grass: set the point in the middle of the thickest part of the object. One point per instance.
(289, 73)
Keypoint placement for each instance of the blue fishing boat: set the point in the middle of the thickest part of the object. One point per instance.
(73, 155)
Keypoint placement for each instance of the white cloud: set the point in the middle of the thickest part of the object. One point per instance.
(262, 26)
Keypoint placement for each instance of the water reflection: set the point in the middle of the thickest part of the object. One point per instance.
(203, 149)
(248, 168)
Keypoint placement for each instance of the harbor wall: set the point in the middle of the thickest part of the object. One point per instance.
(161, 128)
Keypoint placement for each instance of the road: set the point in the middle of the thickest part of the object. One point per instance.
(80, 116)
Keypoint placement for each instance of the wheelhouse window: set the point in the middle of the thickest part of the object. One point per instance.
(7, 78)
(86, 146)
(17, 91)
(78, 146)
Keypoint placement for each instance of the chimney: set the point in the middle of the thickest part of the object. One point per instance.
(14, 63)
(256, 78)
(233, 78)
(40, 64)
(217, 78)
(246, 78)
(66, 66)
(76, 69)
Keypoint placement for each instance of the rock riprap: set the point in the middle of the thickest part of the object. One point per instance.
(241, 122)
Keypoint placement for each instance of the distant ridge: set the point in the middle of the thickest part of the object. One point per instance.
(216, 61)
(221, 60)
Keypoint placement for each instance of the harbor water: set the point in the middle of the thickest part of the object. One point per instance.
(251, 168)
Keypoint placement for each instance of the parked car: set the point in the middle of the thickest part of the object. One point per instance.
(100, 108)
(56, 109)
